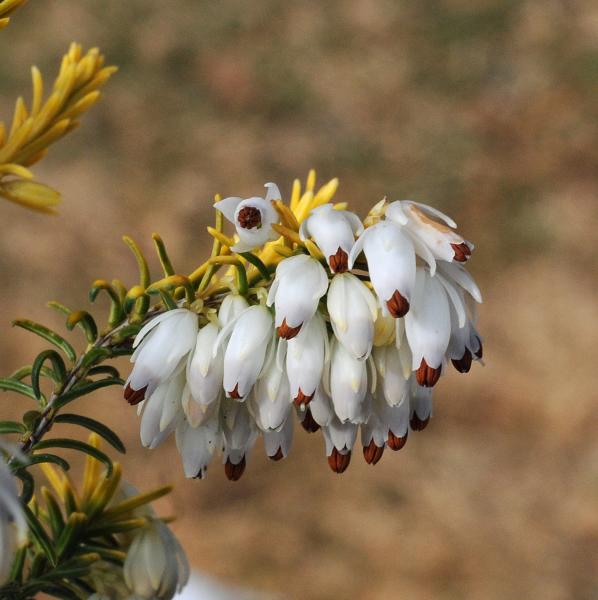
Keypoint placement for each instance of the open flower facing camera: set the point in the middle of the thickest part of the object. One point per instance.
(347, 325)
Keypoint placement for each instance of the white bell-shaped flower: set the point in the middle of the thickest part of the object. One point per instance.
(278, 443)
(334, 232)
(299, 284)
(252, 217)
(269, 401)
(196, 445)
(420, 406)
(162, 411)
(246, 350)
(13, 527)
(204, 370)
(339, 439)
(391, 264)
(155, 567)
(240, 433)
(431, 236)
(307, 355)
(321, 408)
(352, 309)
(428, 327)
(232, 306)
(465, 344)
(348, 385)
(391, 381)
(161, 345)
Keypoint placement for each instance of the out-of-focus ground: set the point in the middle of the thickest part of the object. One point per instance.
(485, 109)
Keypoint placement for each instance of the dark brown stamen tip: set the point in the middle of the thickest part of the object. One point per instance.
(301, 398)
(234, 472)
(372, 453)
(463, 364)
(462, 252)
(398, 306)
(427, 376)
(418, 424)
(480, 353)
(278, 456)
(200, 474)
(339, 262)
(395, 442)
(339, 462)
(249, 217)
(286, 332)
(134, 397)
(235, 393)
(309, 423)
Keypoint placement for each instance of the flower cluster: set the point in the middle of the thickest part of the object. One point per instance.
(349, 326)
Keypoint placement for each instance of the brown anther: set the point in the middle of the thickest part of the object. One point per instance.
(249, 217)
(463, 364)
(234, 472)
(278, 456)
(235, 393)
(286, 332)
(134, 397)
(398, 306)
(418, 424)
(427, 376)
(301, 398)
(462, 252)
(339, 462)
(309, 423)
(372, 453)
(480, 353)
(339, 262)
(200, 474)
(395, 442)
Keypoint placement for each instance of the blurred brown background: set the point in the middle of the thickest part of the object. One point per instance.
(485, 109)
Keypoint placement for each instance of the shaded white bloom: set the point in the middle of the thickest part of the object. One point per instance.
(161, 345)
(196, 445)
(156, 567)
(278, 443)
(384, 329)
(269, 401)
(13, 527)
(339, 439)
(162, 411)
(246, 350)
(334, 232)
(352, 309)
(204, 370)
(299, 284)
(465, 343)
(348, 385)
(392, 382)
(306, 359)
(252, 217)
(420, 406)
(391, 264)
(232, 306)
(428, 327)
(433, 239)
(240, 434)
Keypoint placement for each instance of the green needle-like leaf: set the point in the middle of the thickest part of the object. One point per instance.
(39, 535)
(76, 445)
(11, 385)
(84, 389)
(57, 366)
(49, 335)
(93, 425)
(12, 427)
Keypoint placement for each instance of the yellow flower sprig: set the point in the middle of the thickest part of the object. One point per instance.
(34, 128)
(6, 7)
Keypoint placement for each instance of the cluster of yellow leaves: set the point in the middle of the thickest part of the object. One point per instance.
(36, 127)
(6, 7)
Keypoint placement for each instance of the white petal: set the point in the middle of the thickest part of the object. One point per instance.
(228, 206)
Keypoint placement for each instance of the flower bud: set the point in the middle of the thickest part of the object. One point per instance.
(348, 385)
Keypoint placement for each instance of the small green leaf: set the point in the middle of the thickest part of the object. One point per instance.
(163, 255)
(49, 335)
(57, 366)
(84, 389)
(95, 355)
(39, 535)
(31, 418)
(37, 459)
(104, 370)
(116, 307)
(76, 445)
(12, 427)
(93, 425)
(168, 300)
(69, 536)
(85, 321)
(144, 274)
(11, 385)
(55, 518)
(25, 371)
(28, 485)
(257, 263)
